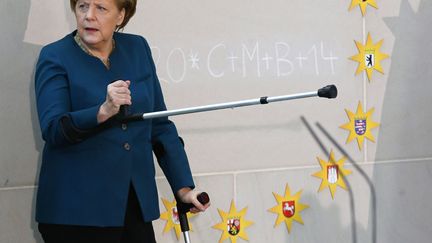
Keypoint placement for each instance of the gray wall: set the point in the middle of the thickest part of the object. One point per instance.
(216, 51)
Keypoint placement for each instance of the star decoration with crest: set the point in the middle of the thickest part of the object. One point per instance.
(288, 208)
(369, 57)
(363, 4)
(360, 125)
(172, 217)
(233, 224)
(332, 174)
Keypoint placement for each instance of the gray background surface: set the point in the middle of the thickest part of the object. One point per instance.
(217, 51)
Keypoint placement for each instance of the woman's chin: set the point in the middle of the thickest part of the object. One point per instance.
(91, 40)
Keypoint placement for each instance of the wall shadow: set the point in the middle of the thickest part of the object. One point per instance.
(17, 71)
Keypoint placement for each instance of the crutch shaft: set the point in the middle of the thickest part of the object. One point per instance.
(329, 91)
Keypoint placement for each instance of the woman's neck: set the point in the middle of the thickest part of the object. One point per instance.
(100, 51)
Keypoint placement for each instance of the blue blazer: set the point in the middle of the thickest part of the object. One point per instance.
(85, 179)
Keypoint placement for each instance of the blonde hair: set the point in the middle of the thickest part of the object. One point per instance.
(128, 5)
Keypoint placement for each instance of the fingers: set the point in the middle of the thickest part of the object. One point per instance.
(194, 210)
(199, 208)
(120, 83)
(192, 197)
(187, 195)
(118, 94)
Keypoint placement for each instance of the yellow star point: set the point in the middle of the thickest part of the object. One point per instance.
(233, 224)
(369, 57)
(360, 125)
(171, 216)
(288, 208)
(332, 174)
(363, 4)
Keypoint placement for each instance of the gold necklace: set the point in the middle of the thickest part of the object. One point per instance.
(105, 61)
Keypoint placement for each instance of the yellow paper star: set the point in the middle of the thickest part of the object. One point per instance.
(172, 217)
(360, 125)
(288, 208)
(332, 173)
(233, 224)
(369, 57)
(362, 4)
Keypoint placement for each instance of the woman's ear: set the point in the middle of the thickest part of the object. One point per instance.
(121, 17)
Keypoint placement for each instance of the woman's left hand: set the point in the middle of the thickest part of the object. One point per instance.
(188, 195)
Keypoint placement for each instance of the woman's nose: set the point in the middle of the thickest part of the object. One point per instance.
(90, 14)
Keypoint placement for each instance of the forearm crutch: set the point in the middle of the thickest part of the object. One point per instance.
(329, 91)
(183, 209)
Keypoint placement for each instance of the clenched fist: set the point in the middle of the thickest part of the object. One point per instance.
(118, 94)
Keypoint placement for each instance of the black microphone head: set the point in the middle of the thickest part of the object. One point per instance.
(329, 91)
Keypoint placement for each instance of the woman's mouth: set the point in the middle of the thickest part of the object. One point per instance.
(91, 29)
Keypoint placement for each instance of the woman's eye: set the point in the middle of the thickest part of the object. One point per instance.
(100, 8)
(83, 7)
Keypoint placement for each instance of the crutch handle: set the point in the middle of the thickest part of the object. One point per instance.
(203, 198)
(183, 209)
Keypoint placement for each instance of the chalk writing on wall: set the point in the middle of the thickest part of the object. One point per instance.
(256, 60)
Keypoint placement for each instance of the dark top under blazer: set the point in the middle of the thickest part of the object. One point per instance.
(86, 182)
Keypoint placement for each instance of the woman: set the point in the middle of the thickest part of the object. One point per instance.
(97, 176)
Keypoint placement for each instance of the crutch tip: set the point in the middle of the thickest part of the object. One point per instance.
(329, 91)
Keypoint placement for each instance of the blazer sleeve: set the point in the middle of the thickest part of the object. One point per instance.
(167, 145)
(59, 124)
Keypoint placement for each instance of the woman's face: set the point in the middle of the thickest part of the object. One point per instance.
(97, 21)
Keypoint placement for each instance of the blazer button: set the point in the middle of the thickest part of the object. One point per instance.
(124, 126)
(127, 146)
